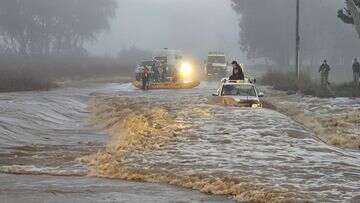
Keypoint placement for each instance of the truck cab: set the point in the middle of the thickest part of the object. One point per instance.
(216, 65)
(170, 59)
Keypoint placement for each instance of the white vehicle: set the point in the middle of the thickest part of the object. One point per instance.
(243, 93)
(216, 65)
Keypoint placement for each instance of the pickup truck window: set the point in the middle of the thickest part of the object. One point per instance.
(238, 90)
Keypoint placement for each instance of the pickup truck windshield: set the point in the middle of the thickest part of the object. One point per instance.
(238, 90)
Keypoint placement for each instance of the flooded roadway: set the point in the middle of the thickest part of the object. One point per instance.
(180, 138)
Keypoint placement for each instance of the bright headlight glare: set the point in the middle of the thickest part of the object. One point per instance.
(186, 69)
(255, 105)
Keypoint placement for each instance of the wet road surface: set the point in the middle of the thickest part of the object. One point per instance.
(251, 154)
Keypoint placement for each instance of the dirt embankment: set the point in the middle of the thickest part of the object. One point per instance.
(334, 121)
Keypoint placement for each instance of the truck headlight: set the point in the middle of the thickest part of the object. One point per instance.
(186, 69)
(186, 72)
(257, 105)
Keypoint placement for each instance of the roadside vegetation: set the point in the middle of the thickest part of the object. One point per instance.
(44, 42)
(42, 73)
(287, 81)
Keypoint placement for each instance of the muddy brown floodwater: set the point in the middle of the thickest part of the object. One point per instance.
(83, 143)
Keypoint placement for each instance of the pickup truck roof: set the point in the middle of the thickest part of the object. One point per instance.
(246, 81)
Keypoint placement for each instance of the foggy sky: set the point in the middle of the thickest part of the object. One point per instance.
(195, 26)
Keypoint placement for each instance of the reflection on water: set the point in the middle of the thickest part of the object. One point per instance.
(178, 137)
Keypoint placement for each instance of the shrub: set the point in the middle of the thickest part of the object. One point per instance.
(287, 81)
(346, 90)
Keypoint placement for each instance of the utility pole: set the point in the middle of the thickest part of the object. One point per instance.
(297, 59)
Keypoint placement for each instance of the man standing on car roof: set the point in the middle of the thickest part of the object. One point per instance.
(324, 71)
(238, 73)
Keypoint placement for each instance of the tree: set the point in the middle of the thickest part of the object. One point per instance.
(262, 28)
(133, 55)
(351, 14)
(42, 27)
(267, 30)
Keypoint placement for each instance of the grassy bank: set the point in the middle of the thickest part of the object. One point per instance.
(42, 73)
(346, 90)
(336, 126)
(287, 81)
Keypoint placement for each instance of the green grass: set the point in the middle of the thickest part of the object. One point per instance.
(20, 80)
(287, 81)
(346, 90)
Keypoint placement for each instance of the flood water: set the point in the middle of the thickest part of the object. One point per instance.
(246, 154)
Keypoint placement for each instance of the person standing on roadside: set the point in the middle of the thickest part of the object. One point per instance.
(356, 72)
(145, 78)
(324, 71)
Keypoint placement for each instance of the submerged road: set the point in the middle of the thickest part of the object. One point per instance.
(255, 153)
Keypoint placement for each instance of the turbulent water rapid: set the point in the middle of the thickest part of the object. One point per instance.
(182, 138)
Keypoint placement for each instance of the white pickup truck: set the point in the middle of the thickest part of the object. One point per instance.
(241, 92)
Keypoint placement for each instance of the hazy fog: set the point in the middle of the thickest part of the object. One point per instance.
(195, 26)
